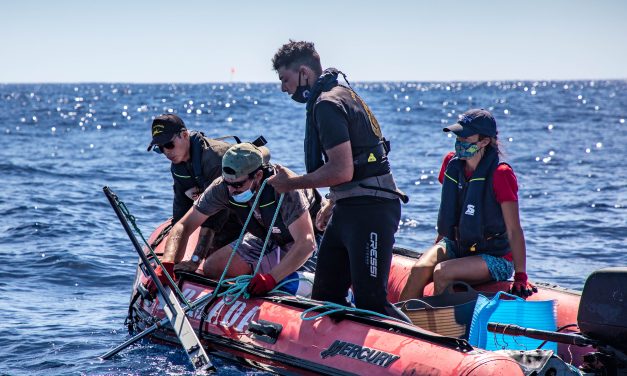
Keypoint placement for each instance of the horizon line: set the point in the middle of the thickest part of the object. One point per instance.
(278, 83)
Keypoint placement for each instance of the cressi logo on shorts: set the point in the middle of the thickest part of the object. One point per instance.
(372, 253)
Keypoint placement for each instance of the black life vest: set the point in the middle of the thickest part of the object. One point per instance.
(189, 174)
(368, 161)
(267, 206)
(469, 213)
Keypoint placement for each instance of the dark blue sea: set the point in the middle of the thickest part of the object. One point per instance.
(66, 265)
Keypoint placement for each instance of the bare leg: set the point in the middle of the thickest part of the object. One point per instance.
(215, 264)
(471, 269)
(422, 272)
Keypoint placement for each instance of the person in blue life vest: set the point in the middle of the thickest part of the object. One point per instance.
(346, 151)
(480, 238)
(196, 161)
(292, 245)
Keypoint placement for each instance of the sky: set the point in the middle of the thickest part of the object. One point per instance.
(405, 40)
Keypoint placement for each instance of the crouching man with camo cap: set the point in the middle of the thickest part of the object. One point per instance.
(292, 245)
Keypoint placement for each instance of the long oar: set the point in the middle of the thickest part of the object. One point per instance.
(173, 310)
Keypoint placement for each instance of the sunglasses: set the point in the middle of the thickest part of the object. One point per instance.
(168, 145)
(238, 184)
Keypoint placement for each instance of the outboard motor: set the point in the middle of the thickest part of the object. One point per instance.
(602, 320)
(602, 317)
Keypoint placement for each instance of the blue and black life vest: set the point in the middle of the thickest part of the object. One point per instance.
(267, 207)
(189, 174)
(469, 213)
(368, 161)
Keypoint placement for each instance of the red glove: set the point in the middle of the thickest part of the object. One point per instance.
(260, 284)
(169, 267)
(521, 286)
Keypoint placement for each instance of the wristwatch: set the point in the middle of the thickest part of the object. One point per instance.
(195, 258)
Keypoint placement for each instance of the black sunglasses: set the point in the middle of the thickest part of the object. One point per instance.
(238, 184)
(168, 145)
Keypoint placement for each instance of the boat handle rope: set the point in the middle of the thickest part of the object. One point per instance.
(331, 308)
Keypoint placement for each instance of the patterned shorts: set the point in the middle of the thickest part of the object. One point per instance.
(250, 250)
(500, 268)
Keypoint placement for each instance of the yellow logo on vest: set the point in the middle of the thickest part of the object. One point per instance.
(371, 158)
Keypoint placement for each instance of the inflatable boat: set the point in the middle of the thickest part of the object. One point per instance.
(292, 335)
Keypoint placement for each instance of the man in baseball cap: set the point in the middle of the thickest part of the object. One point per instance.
(476, 121)
(196, 161)
(292, 243)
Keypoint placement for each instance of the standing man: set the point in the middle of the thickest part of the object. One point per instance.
(344, 150)
(196, 162)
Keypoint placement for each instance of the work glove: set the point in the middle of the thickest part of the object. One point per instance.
(169, 267)
(521, 286)
(261, 284)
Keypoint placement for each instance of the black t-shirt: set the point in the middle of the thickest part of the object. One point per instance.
(340, 116)
(332, 124)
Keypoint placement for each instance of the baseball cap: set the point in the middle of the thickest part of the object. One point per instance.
(476, 121)
(164, 127)
(242, 159)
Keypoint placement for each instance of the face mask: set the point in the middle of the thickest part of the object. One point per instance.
(466, 149)
(244, 196)
(302, 91)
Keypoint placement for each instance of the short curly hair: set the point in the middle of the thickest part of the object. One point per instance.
(294, 54)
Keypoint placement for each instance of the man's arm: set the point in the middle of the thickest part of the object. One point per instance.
(177, 241)
(337, 170)
(304, 244)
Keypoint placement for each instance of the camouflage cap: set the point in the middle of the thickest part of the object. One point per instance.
(242, 159)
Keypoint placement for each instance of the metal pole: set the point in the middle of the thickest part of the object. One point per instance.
(173, 310)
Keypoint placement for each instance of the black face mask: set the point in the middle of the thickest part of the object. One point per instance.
(302, 91)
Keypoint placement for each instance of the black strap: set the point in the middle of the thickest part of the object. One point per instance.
(237, 139)
(400, 194)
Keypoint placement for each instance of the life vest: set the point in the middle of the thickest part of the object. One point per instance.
(469, 213)
(371, 169)
(267, 206)
(370, 160)
(189, 174)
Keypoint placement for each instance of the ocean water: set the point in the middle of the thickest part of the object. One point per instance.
(66, 265)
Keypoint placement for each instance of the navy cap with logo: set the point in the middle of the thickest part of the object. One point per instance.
(164, 127)
(476, 121)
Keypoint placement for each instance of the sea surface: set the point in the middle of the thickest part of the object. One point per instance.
(66, 265)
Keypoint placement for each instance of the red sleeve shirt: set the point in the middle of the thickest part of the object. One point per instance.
(504, 182)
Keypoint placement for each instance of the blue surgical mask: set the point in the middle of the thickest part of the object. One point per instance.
(301, 95)
(244, 196)
(465, 149)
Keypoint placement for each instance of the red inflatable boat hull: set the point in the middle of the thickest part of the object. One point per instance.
(347, 345)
